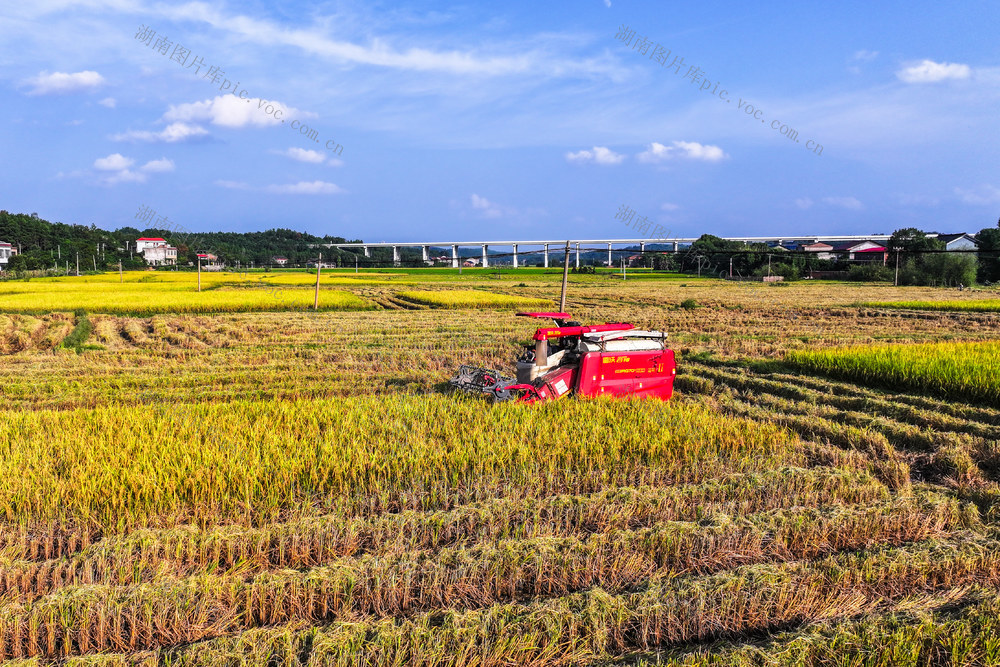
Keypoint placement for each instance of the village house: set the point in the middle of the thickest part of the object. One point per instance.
(822, 250)
(156, 251)
(6, 252)
(209, 262)
(958, 241)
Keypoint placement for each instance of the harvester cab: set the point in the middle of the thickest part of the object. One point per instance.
(604, 359)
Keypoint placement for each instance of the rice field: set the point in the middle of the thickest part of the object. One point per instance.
(952, 370)
(471, 299)
(972, 305)
(288, 487)
(147, 293)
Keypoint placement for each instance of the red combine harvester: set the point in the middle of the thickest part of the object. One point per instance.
(605, 359)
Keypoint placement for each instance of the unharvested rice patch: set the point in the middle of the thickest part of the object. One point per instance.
(470, 299)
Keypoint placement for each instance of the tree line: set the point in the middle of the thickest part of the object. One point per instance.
(43, 245)
(914, 258)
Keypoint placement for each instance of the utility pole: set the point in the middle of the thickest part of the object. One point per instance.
(95, 262)
(562, 296)
(121, 274)
(199, 272)
(895, 282)
(319, 263)
(355, 263)
(59, 247)
(730, 267)
(768, 266)
(77, 264)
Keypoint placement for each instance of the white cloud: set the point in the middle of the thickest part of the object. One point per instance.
(849, 203)
(865, 54)
(928, 71)
(60, 82)
(305, 188)
(983, 195)
(598, 155)
(692, 150)
(159, 166)
(173, 133)
(302, 155)
(669, 207)
(607, 3)
(113, 162)
(488, 208)
(231, 111)
(233, 185)
(525, 58)
(125, 176)
(116, 168)
(108, 102)
(804, 202)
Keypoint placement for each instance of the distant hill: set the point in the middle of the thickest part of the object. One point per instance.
(41, 243)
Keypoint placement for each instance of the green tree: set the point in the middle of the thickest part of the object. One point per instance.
(989, 253)
(922, 260)
(912, 240)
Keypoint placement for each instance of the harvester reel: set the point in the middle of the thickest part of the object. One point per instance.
(481, 381)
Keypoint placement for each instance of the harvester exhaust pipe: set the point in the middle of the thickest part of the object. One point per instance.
(541, 358)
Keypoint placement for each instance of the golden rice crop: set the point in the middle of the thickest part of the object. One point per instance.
(950, 370)
(581, 627)
(147, 553)
(208, 474)
(972, 305)
(121, 466)
(472, 299)
(168, 297)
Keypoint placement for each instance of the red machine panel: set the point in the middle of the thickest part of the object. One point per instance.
(643, 373)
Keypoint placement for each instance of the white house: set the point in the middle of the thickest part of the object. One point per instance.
(143, 243)
(823, 250)
(156, 251)
(958, 241)
(160, 255)
(280, 261)
(6, 252)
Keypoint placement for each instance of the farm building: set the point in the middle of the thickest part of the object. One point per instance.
(855, 250)
(210, 262)
(6, 252)
(961, 241)
(161, 255)
(822, 249)
(280, 261)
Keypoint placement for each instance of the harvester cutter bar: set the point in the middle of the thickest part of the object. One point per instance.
(480, 380)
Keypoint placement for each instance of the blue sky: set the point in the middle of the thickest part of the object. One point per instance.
(498, 121)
